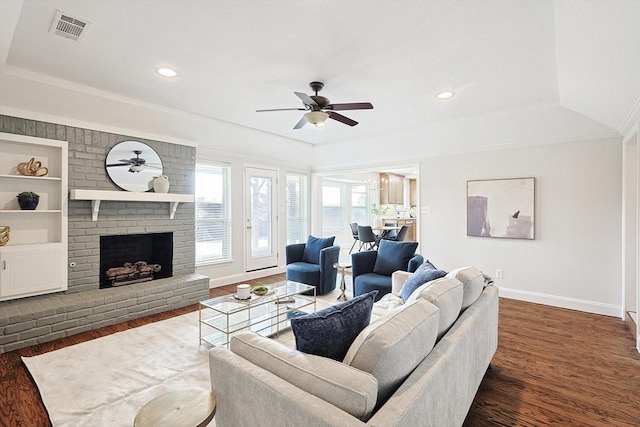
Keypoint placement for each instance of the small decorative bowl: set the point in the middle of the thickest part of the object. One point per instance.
(260, 291)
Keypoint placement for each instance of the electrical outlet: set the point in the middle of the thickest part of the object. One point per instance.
(498, 273)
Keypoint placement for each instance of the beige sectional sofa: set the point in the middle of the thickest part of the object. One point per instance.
(418, 363)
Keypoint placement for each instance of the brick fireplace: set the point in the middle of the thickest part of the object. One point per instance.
(84, 306)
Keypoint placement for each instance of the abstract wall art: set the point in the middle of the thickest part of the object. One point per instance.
(501, 208)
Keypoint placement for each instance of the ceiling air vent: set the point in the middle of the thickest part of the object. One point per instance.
(68, 26)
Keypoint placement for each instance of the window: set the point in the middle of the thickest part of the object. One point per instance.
(343, 203)
(213, 213)
(359, 204)
(297, 203)
(332, 211)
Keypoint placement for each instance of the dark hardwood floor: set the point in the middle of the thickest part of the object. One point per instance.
(553, 367)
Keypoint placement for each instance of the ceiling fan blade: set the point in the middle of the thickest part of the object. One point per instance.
(351, 106)
(282, 109)
(302, 122)
(119, 164)
(126, 160)
(342, 119)
(306, 98)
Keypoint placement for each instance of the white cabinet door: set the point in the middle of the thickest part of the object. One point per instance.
(31, 270)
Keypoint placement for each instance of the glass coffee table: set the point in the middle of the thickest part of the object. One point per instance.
(268, 315)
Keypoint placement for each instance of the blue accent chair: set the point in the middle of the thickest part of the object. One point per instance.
(371, 270)
(322, 274)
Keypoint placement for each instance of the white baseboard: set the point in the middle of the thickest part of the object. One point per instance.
(562, 302)
(236, 278)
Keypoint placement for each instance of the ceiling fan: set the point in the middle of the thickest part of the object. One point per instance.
(136, 164)
(320, 108)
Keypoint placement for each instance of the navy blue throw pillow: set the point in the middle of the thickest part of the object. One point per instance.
(393, 256)
(313, 247)
(331, 331)
(425, 273)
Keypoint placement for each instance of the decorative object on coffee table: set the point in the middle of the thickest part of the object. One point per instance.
(185, 407)
(32, 168)
(28, 200)
(4, 234)
(260, 290)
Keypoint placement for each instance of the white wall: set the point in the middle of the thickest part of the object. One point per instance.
(574, 261)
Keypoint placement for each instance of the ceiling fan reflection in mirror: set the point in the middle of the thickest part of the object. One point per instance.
(319, 108)
(132, 166)
(136, 164)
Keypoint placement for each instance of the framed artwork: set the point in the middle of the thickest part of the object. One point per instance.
(501, 208)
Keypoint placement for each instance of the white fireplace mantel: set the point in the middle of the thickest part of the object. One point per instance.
(96, 196)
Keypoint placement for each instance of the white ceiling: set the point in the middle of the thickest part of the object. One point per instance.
(234, 57)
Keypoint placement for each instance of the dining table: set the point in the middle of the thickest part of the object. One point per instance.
(385, 228)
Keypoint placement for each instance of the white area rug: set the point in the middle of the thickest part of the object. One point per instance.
(105, 381)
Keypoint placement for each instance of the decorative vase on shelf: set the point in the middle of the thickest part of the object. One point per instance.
(161, 184)
(28, 201)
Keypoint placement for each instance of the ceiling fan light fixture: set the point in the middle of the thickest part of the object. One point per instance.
(316, 118)
(136, 168)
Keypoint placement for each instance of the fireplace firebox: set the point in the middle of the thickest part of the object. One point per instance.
(133, 258)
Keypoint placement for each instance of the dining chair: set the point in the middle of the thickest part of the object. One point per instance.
(402, 234)
(389, 234)
(367, 237)
(354, 233)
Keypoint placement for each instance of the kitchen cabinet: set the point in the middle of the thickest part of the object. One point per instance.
(411, 236)
(34, 259)
(391, 189)
(411, 222)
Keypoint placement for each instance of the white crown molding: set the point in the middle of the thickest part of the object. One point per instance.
(630, 122)
(496, 147)
(66, 121)
(563, 302)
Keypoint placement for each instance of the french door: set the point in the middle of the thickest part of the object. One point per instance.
(261, 218)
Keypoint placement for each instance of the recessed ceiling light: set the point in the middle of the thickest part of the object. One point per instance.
(167, 72)
(445, 95)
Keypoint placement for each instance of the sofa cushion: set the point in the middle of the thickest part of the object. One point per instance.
(425, 273)
(329, 332)
(391, 347)
(347, 388)
(472, 283)
(446, 294)
(313, 247)
(393, 256)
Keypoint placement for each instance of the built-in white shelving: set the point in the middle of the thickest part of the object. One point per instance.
(34, 259)
(96, 196)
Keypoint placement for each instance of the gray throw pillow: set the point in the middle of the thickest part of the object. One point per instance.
(425, 273)
(329, 332)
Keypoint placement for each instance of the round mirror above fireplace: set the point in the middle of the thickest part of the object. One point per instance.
(132, 166)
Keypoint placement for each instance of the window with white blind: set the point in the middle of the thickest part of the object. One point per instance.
(213, 213)
(297, 208)
(334, 209)
(359, 204)
(343, 203)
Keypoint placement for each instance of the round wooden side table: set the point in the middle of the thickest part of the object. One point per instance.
(185, 407)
